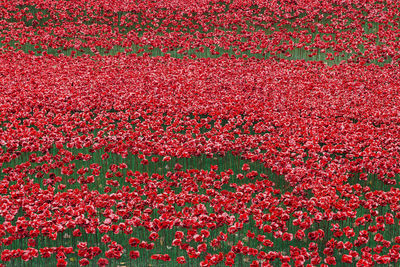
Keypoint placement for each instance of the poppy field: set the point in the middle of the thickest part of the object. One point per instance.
(204, 133)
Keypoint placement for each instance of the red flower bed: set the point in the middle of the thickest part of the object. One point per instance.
(356, 31)
(116, 159)
(221, 151)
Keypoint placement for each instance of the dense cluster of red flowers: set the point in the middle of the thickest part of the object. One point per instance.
(357, 31)
(331, 131)
(203, 155)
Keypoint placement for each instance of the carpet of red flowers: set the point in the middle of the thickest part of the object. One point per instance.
(140, 160)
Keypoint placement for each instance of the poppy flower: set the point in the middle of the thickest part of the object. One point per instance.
(133, 241)
(83, 262)
(76, 233)
(245, 167)
(31, 242)
(134, 254)
(181, 260)
(153, 236)
(61, 263)
(102, 262)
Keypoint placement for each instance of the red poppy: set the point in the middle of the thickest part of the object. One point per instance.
(102, 262)
(134, 254)
(61, 263)
(133, 241)
(181, 260)
(153, 236)
(83, 262)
